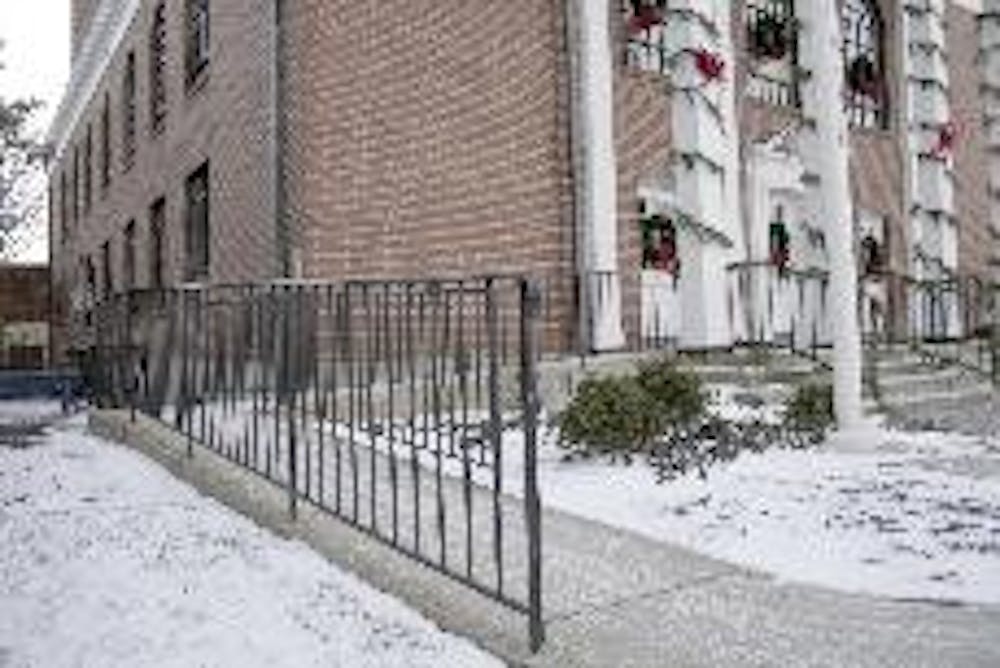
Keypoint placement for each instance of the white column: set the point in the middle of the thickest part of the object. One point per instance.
(990, 36)
(822, 24)
(599, 229)
(706, 142)
(933, 223)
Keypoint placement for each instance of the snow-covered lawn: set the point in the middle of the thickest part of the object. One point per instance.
(106, 560)
(880, 512)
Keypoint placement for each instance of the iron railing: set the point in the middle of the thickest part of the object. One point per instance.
(407, 409)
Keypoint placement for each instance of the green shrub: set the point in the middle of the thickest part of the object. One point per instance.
(810, 408)
(624, 414)
(678, 395)
(607, 416)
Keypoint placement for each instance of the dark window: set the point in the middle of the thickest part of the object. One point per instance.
(866, 89)
(52, 207)
(198, 238)
(107, 280)
(75, 203)
(772, 44)
(158, 68)
(63, 208)
(91, 278)
(128, 257)
(128, 112)
(88, 163)
(646, 35)
(106, 143)
(157, 225)
(197, 39)
(659, 244)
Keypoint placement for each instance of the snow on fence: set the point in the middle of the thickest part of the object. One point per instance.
(337, 392)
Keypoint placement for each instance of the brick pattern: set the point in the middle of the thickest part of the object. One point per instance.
(226, 119)
(971, 164)
(421, 139)
(24, 294)
(429, 139)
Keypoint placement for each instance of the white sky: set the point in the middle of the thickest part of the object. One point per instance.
(36, 51)
(35, 58)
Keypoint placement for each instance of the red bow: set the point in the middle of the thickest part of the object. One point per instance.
(709, 64)
(947, 136)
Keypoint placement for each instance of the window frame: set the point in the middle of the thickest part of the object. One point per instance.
(129, 112)
(106, 144)
(158, 68)
(645, 51)
(864, 32)
(198, 231)
(157, 232)
(88, 174)
(107, 276)
(129, 257)
(197, 40)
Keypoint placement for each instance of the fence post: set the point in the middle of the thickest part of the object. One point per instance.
(530, 312)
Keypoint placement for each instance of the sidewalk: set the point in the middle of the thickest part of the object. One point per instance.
(106, 560)
(613, 598)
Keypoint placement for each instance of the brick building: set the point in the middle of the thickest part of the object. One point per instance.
(653, 162)
(24, 316)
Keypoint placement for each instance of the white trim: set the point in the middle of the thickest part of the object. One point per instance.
(108, 27)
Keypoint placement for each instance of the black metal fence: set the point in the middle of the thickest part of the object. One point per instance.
(405, 408)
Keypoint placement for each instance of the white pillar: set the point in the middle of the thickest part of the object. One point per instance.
(706, 141)
(599, 229)
(831, 133)
(990, 36)
(926, 102)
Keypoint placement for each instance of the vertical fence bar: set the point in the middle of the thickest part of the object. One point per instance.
(390, 412)
(530, 308)
(495, 425)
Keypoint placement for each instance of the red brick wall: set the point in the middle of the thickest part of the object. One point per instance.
(971, 161)
(428, 139)
(226, 119)
(24, 294)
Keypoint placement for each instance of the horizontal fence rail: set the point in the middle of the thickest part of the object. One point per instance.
(408, 409)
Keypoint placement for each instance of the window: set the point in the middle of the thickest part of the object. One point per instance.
(106, 143)
(158, 68)
(659, 243)
(772, 45)
(75, 204)
(107, 279)
(91, 278)
(198, 239)
(63, 207)
(128, 112)
(864, 68)
(645, 27)
(157, 224)
(88, 163)
(197, 39)
(128, 257)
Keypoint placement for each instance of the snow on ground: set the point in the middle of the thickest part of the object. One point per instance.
(890, 514)
(894, 514)
(109, 561)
